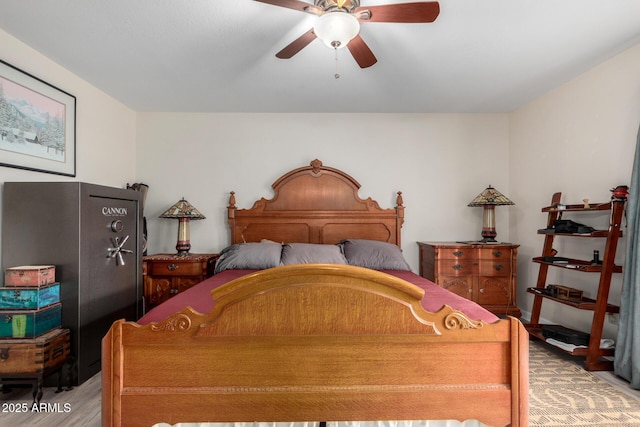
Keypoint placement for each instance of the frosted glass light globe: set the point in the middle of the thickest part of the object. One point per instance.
(336, 29)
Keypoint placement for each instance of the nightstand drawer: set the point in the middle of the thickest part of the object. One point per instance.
(174, 268)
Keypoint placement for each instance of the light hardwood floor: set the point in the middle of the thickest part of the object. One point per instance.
(77, 407)
(81, 406)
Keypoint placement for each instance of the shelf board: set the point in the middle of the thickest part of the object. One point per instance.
(579, 265)
(585, 304)
(579, 208)
(535, 330)
(596, 233)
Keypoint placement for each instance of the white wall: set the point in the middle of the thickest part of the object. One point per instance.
(439, 162)
(580, 140)
(105, 129)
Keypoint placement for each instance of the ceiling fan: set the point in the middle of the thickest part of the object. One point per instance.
(339, 23)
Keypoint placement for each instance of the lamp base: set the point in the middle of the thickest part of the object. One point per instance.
(183, 246)
(488, 224)
(481, 242)
(489, 240)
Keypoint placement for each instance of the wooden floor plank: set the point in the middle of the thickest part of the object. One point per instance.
(77, 407)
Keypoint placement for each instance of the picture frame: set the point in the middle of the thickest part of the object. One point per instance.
(37, 124)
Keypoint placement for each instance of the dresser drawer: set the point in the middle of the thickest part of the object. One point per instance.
(175, 268)
(494, 253)
(456, 253)
(456, 267)
(498, 267)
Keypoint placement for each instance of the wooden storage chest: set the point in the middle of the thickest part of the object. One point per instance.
(569, 294)
(30, 323)
(29, 298)
(35, 355)
(30, 275)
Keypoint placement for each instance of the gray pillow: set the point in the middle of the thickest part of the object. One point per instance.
(310, 253)
(249, 256)
(373, 254)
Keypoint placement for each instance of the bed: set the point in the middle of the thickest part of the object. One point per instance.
(315, 342)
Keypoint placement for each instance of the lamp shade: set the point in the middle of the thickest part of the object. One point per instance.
(336, 29)
(490, 196)
(182, 209)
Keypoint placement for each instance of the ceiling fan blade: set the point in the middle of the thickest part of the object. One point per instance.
(297, 45)
(296, 5)
(361, 52)
(401, 12)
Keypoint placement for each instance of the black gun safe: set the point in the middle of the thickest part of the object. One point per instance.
(93, 235)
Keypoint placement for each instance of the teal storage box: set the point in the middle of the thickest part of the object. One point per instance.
(29, 298)
(30, 323)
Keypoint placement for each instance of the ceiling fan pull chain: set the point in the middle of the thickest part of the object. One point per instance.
(337, 74)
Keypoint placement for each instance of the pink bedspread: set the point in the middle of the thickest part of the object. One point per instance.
(199, 297)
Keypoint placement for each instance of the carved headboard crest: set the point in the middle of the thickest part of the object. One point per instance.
(316, 165)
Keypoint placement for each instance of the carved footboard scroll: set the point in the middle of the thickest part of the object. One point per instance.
(315, 342)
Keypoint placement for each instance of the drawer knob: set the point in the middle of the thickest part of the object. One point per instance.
(4, 354)
(172, 267)
(173, 291)
(497, 254)
(498, 267)
(458, 253)
(482, 290)
(457, 267)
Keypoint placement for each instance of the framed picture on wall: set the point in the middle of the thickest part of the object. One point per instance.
(37, 124)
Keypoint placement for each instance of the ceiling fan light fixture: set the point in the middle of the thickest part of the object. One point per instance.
(336, 29)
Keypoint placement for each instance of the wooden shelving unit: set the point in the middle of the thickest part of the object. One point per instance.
(600, 306)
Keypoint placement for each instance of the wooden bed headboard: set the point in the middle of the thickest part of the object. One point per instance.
(315, 204)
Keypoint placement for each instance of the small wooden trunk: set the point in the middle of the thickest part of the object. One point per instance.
(35, 355)
(30, 275)
(29, 298)
(569, 294)
(30, 323)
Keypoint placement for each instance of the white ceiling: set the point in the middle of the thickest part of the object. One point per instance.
(218, 55)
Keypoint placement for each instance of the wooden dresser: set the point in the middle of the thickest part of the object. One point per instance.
(166, 275)
(483, 273)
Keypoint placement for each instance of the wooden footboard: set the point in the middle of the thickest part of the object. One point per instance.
(315, 343)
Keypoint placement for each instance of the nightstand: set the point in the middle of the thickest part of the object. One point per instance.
(166, 275)
(483, 273)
